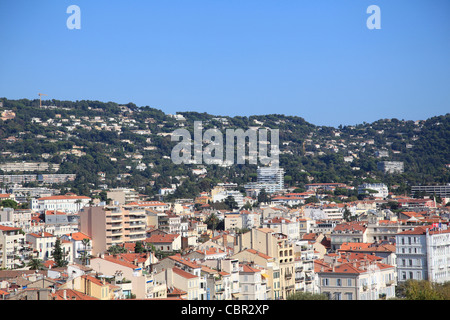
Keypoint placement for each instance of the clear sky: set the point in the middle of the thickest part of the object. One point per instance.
(315, 59)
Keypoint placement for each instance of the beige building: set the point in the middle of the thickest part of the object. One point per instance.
(275, 245)
(132, 278)
(122, 196)
(112, 225)
(348, 232)
(233, 221)
(270, 265)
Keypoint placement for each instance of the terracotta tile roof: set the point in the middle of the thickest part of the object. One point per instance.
(247, 269)
(6, 228)
(118, 261)
(210, 251)
(54, 212)
(262, 255)
(78, 236)
(183, 273)
(64, 197)
(42, 235)
(93, 280)
(351, 226)
(162, 238)
(183, 260)
(71, 295)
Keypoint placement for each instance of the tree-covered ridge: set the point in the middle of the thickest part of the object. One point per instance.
(132, 146)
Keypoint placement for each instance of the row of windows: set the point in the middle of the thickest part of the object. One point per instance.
(339, 295)
(339, 282)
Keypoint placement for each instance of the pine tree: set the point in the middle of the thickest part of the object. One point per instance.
(59, 255)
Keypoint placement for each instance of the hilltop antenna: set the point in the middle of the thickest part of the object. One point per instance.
(40, 99)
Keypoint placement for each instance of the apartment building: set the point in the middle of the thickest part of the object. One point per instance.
(78, 245)
(423, 254)
(131, 277)
(253, 284)
(43, 243)
(356, 280)
(355, 231)
(183, 273)
(122, 195)
(271, 267)
(28, 166)
(391, 166)
(439, 190)
(289, 227)
(271, 179)
(233, 221)
(11, 241)
(250, 219)
(67, 203)
(218, 284)
(169, 222)
(276, 245)
(165, 242)
(385, 251)
(385, 230)
(377, 190)
(112, 225)
(18, 218)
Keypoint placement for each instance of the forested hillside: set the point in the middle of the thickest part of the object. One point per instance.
(132, 146)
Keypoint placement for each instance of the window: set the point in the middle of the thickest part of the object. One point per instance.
(348, 296)
(349, 282)
(338, 282)
(325, 282)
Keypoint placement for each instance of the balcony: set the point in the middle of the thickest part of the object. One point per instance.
(288, 276)
(390, 282)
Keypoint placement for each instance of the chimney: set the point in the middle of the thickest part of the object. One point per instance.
(65, 294)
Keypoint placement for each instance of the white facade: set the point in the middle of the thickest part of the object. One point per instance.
(381, 188)
(423, 255)
(69, 204)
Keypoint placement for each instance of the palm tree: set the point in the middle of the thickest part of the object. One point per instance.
(84, 255)
(35, 264)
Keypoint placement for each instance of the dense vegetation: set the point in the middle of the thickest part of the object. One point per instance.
(115, 138)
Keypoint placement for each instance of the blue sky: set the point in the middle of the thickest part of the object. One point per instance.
(315, 59)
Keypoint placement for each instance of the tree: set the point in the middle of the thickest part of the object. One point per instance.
(212, 221)
(35, 264)
(231, 203)
(347, 215)
(84, 254)
(115, 249)
(138, 247)
(8, 203)
(263, 197)
(306, 296)
(59, 255)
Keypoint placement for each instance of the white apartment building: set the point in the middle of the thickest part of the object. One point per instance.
(252, 285)
(381, 189)
(289, 227)
(271, 179)
(358, 280)
(65, 203)
(10, 242)
(423, 254)
(43, 243)
(16, 218)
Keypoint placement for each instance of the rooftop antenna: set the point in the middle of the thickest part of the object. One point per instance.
(40, 99)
